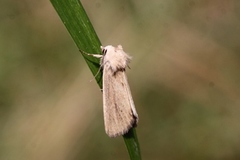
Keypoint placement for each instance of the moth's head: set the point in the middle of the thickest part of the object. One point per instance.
(110, 48)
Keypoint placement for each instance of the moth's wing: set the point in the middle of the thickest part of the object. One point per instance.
(119, 111)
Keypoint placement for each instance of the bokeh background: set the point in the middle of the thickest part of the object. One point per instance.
(184, 78)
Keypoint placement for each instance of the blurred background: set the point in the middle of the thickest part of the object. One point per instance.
(184, 79)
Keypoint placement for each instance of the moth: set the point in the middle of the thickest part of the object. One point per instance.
(119, 110)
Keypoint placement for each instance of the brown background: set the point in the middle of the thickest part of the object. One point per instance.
(184, 78)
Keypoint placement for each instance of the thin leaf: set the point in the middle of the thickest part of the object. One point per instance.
(132, 144)
(80, 28)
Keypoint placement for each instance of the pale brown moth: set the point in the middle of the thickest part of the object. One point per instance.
(119, 110)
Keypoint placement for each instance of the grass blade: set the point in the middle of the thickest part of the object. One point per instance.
(81, 30)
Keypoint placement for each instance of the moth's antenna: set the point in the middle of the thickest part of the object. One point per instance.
(93, 55)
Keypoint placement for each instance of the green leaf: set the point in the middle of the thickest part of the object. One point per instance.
(132, 144)
(81, 30)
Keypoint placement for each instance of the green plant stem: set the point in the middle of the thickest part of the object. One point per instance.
(81, 30)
